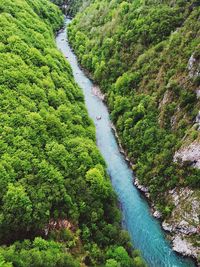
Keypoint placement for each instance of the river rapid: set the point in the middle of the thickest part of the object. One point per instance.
(144, 230)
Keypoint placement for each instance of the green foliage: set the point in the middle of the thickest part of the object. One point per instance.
(52, 177)
(120, 255)
(112, 263)
(39, 253)
(51, 172)
(3, 263)
(71, 7)
(138, 51)
(16, 209)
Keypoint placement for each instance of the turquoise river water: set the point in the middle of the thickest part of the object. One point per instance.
(145, 231)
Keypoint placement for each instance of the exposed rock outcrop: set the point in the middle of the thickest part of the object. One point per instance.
(157, 214)
(184, 247)
(140, 187)
(97, 92)
(184, 221)
(58, 225)
(190, 153)
(193, 67)
(198, 93)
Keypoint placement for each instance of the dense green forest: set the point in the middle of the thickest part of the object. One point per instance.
(57, 204)
(145, 55)
(71, 7)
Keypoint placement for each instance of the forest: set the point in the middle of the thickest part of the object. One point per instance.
(125, 61)
(58, 207)
(145, 56)
(71, 7)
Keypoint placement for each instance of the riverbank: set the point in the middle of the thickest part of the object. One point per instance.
(144, 230)
(176, 233)
(178, 242)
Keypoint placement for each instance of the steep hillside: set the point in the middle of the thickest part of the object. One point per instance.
(57, 204)
(146, 57)
(71, 7)
(77, 6)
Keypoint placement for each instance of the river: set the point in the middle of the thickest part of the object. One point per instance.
(145, 231)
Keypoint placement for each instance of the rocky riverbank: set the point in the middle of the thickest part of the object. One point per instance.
(183, 224)
(97, 92)
(180, 238)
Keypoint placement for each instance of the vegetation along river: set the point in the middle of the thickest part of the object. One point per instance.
(145, 231)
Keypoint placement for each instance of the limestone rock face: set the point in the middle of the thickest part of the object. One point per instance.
(185, 215)
(167, 227)
(141, 187)
(183, 223)
(198, 93)
(184, 247)
(193, 67)
(157, 214)
(190, 153)
(97, 92)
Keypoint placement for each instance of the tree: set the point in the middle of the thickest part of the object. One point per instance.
(3, 263)
(17, 209)
(120, 255)
(112, 263)
(99, 186)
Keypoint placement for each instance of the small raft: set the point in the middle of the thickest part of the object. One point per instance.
(98, 118)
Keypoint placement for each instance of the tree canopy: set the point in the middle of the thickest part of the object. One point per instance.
(58, 207)
(141, 54)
